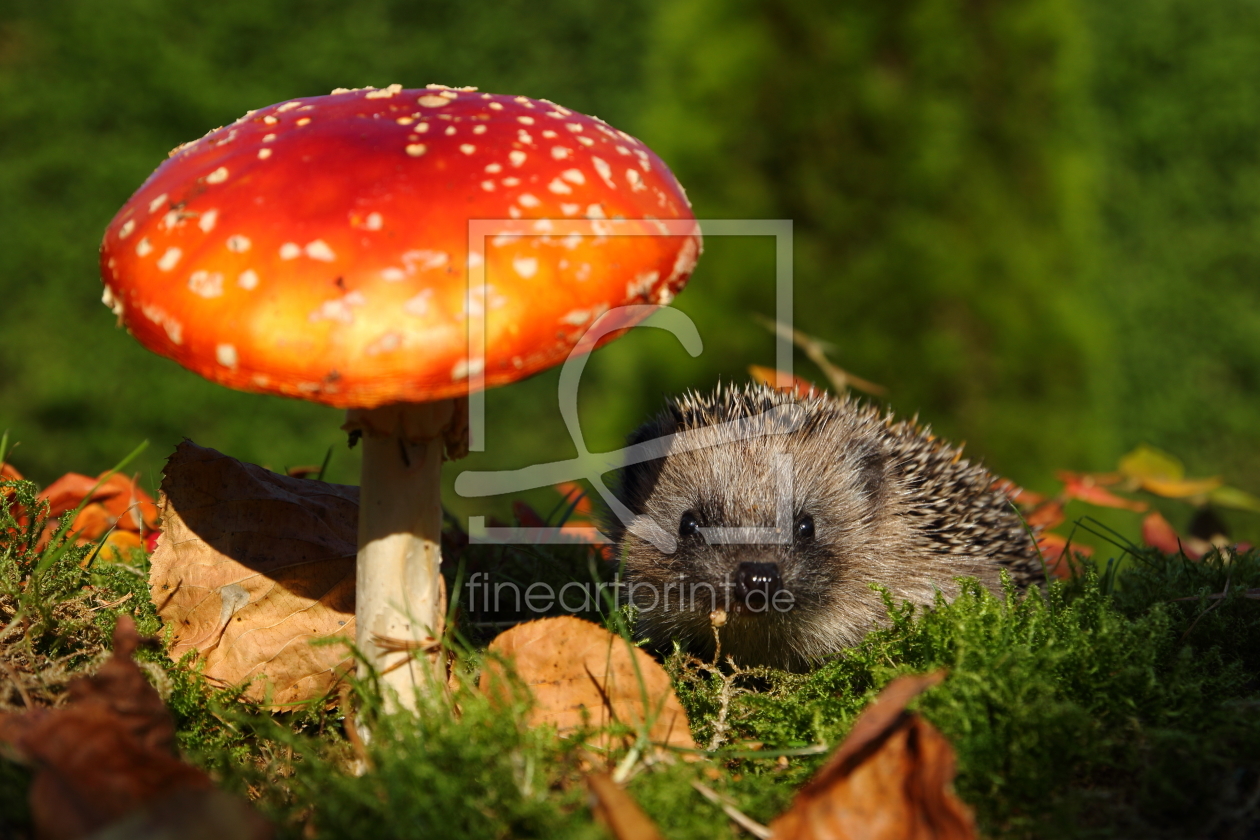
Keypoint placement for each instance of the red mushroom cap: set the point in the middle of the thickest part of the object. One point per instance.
(319, 247)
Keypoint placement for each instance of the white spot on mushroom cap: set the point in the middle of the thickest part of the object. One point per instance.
(561, 153)
(248, 279)
(604, 171)
(208, 284)
(570, 209)
(494, 167)
(143, 248)
(304, 121)
(450, 131)
(404, 120)
(170, 259)
(586, 141)
(487, 185)
(642, 284)
(238, 244)
(425, 260)
(635, 180)
(514, 212)
(528, 200)
(573, 176)
(511, 182)
(516, 157)
(374, 221)
(393, 274)
(544, 226)
(416, 149)
(418, 305)
(207, 220)
(559, 187)
(523, 136)
(431, 101)
(383, 93)
(263, 154)
(421, 128)
(465, 368)
(577, 317)
(289, 106)
(524, 100)
(157, 203)
(174, 329)
(115, 305)
(267, 138)
(525, 120)
(574, 127)
(467, 148)
(218, 176)
(497, 106)
(479, 129)
(596, 211)
(526, 267)
(387, 343)
(338, 309)
(319, 250)
(126, 229)
(475, 259)
(225, 354)
(290, 251)
(685, 263)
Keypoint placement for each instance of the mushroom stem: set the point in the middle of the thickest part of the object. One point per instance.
(399, 597)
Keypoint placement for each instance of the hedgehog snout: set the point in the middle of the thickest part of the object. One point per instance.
(755, 585)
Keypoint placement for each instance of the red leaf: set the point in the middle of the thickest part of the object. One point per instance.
(1088, 488)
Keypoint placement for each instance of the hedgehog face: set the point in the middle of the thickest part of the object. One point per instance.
(773, 529)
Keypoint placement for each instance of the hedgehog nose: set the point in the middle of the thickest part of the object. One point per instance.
(755, 585)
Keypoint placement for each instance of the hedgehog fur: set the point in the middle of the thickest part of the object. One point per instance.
(774, 516)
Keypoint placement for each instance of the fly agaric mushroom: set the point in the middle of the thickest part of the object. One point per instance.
(319, 248)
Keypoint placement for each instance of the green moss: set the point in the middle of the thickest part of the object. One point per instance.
(1109, 706)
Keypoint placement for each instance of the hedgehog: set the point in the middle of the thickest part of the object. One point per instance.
(778, 518)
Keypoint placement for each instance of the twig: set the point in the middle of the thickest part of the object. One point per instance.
(741, 819)
(816, 352)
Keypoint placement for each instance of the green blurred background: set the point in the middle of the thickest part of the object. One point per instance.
(1037, 222)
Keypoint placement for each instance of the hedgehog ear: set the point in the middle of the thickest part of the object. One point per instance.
(870, 469)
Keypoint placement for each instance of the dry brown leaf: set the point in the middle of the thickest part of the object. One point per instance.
(889, 780)
(110, 754)
(582, 675)
(251, 567)
(618, 811)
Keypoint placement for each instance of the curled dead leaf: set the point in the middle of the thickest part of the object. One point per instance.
(581, 675)
(109, 755)
(251, 568)
(890, 780)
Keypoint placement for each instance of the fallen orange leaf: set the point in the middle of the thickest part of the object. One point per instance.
(1046, 516)
(1088, 488)
(783, 381)
(1180, 488)
(582, 675)
(575, 495)
(252, 566)
(1158, 533)
(890, 780)
(1053, 548)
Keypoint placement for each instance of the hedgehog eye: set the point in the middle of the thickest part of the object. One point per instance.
(805, 528)
(688, 526)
